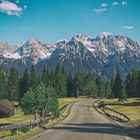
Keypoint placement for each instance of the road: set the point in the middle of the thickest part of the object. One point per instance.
(83, 123)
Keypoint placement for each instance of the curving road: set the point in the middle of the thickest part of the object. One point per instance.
(83, 123)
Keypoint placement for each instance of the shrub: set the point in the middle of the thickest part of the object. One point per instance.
(14, 131)
(24, 129)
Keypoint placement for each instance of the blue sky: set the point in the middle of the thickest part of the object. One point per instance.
(52, 20)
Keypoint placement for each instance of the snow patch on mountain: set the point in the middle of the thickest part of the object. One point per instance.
(105, 34)
(62, 41)
(12, 56)
(100, 55)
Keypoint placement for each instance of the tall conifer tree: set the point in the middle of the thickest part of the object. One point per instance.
(24, 83)
(13, 85)
(2, 85)
(117, 86)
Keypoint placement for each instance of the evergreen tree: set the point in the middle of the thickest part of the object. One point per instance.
(29, 102)
(60, 82)
(52, 78)
(52, 101)
(33, 78)
(35, 101)
(2, 85)
(122, 95)
(24, 83)
(108, 90)
(57, 79)
(128, 87)
(45, 78)
(117, 86)
(90, 88)
(40, 101)
(41, 95)
(100, 87)
(132, 84)
(111, 86)
(78, 84)
(138, 84)
(70, 86)
(13, 85)
(63, 83)
(98, 83)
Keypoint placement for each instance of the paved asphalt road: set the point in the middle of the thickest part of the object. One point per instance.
(83, 123)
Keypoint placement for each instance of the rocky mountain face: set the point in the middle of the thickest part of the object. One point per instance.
(35, 51)
(31, 53)
(100, 55)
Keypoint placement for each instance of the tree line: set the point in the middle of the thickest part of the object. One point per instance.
(59, 83)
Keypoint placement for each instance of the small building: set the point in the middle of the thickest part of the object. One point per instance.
(6, 108)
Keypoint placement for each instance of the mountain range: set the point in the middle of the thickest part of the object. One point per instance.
(100, 55)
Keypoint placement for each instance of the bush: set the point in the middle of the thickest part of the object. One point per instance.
(101, 104)
(24, 129)
(14, 131)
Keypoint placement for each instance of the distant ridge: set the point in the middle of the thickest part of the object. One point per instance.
(100, 55)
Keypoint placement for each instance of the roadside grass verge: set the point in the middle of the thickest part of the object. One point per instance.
(18, 117)
(65, 101)
(130, 108)
(6, 135)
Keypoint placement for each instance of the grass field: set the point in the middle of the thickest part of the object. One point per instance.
(65, 101)
(130, 107)
(17, 118)
(20, 117)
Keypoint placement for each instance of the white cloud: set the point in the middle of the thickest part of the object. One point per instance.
(100, 10)
(25, 6)
(104, 5)
(124, 3)
(107, 7)
(10, 8)
(128, 27)
(115, 3)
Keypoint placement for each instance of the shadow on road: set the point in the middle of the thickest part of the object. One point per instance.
(103, 128)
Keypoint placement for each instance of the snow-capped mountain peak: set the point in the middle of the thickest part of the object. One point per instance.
(100, 55)
(85, 40)
(32, 43)
(34, 51)
(81, 38)
(105, 34)
(62, 41)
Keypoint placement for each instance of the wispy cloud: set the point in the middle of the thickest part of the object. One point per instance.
(104, 5)
(128, 27)
(115, 3)
(10, 8)
(124, 3)
(100, 10)
(107, 7)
